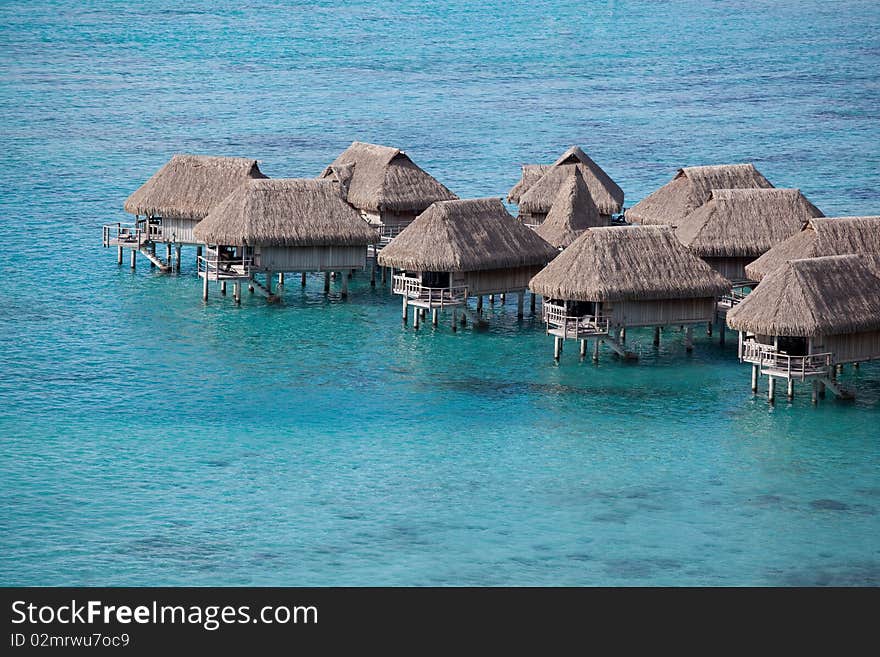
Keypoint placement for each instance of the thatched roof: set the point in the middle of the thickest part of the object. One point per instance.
(745, 222)
(689, 189)
(467, 235)
(607, 196)
(531, 173)
(188, 186)
(572, 212)
(832, 295)
(285, 212)
(628, 263)
(384, 178)
(821, 237)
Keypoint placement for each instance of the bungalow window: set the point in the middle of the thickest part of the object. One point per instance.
(793, 346)
(581, 308)
(435, 278)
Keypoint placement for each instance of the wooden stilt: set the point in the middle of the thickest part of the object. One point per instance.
(520, 301)
(771, 389)
(463, 318)
(583, 349)
(417, 317)
(754, 378)
(722, 332)
(435, 317)
(205, 287)
(596, 351)
(373, 274)
(118, 255)
(344, 284)
(198, 254)
(251, 285)
(532, 304)
(236, 292)
(177, 254)
(821, 390)
(491, 299)
(404, 309)
(503, 299)
(689, 338)
(269, 282)
(153, 253)
(557, 347)
(302, 279)
(480, 305)
(709, 329)
(623, 335)
(789, 389)
(814, 396)
(168, 255)
(656, 336)
(454, 320)
(326, 282)
(856, 365)
(133, 258)
(384, 276)
(281, 278)
(223, 288)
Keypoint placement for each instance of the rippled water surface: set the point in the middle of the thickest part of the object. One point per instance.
(146, 438)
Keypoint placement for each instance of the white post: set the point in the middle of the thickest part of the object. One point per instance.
(754, 378)
(236, 291)
(133, 258)
(789, 392)
(404, 310)
(557, 347)
(417, 316)
(583, 349)
(281, 278)
(435, 317)
(118, 255)
(223, 288)
(771, 389)
(205, 286)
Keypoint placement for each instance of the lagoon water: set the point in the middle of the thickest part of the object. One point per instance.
(146, 438)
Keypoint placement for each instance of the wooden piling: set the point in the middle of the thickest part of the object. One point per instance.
(404, 309)
(118, 255)
(520, 301)
(302, 279)
(326, 282)
(623, 335)
(236, 291)
(133, 258)
(532, 304)
(504, 299)
(345, 278)
(281, 278)
(152, 253)
(435, 317)
(557, 347)
(709, 329)
(223, 288)
(198, 254)
(491, 299)
(177, 254)
(722, 332)
(269, 281)
(168, 255)
(771, 389)
(373, 273)
(596, 351)
(789, 390)
(454, 320)
(656, 336)
(417, 317)
(689, 338)
(205, 287)
(821, 390)
(384, 276)
(583, 349)
(814, 396)
(754, 378)
(480, 305)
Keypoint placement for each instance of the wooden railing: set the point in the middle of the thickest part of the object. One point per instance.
(573, 326)
(133, 233)
(768, 358)
(732, 299)
(216, 268)
(413, 289)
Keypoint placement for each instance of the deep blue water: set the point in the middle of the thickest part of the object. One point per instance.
(146, 438)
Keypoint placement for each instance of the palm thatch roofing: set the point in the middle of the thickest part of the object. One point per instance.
(466, 235)
(572, 212)
(745, 223)
(689, 189)
(531, 173)
(285, 212)
(831, 295)
(634, 263)
(385, 179)
(539, 197)
(821, 237)
(189, 186)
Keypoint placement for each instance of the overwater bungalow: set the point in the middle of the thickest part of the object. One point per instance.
(689, 189)
(820, 237)
(572, 212)
(613, 278)
(536, 201)
(385, 185)
(173, 201)
(531, 173)
(807, 318)
(281, 226)
(460, 249)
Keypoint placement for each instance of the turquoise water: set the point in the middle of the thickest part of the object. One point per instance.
(146, 438)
